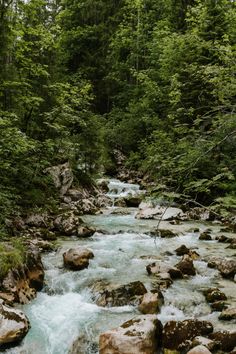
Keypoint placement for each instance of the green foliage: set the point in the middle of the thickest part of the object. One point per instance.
(12, 255)
(154, 79)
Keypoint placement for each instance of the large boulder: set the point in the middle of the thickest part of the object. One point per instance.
(186, 265)
(14, 325)
(177, 334)
(23, 282)
(77, 258)
(226, 340)
(118, 295)
(141, 335)
(62, 177)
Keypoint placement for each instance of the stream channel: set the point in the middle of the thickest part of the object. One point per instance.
(64, 311)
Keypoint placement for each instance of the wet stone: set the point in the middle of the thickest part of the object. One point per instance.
(205, 236)
(177, 334)
(226, 340)
(186, 266)
(214, 294)
(228, 314)
(119, 295)
(182, 250)
(219, 305)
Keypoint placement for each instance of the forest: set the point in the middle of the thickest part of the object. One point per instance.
(118, 140)
(153, 79)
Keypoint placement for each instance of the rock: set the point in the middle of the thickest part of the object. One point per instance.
(103, 184)
(218, 305)
(226, 340)
(206, 342)
(133, 201)
(119, 295)
(186, 266)
(214, 294)
(43, 245)
(193, 255)
(77, 258)
(199, 214)
(141, 335)
(119, 211)
(200, 349)
(83, 345)
(176, 334)
(223, 239)
(158, 268)
(14, 325)
(163, 233)
(227, 267)
(205, 236)
(62, 177)
(36, 220)
(120, 202)
(228, 314)
(15, 225)
(67, 223)
(162, 281)
(232, 244)
(75, 195)
(151, 302)
(148, 211)
(163, 274)
(7, 298)
(24, 281)
(176, 222)
(46, 235)
(182, 250)
(87, 206)
(85, 231)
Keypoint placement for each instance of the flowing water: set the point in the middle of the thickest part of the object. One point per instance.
(65, 311)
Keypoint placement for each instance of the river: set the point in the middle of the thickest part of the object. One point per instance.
(65, 309)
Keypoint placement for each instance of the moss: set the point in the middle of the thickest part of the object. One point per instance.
(12, 254)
